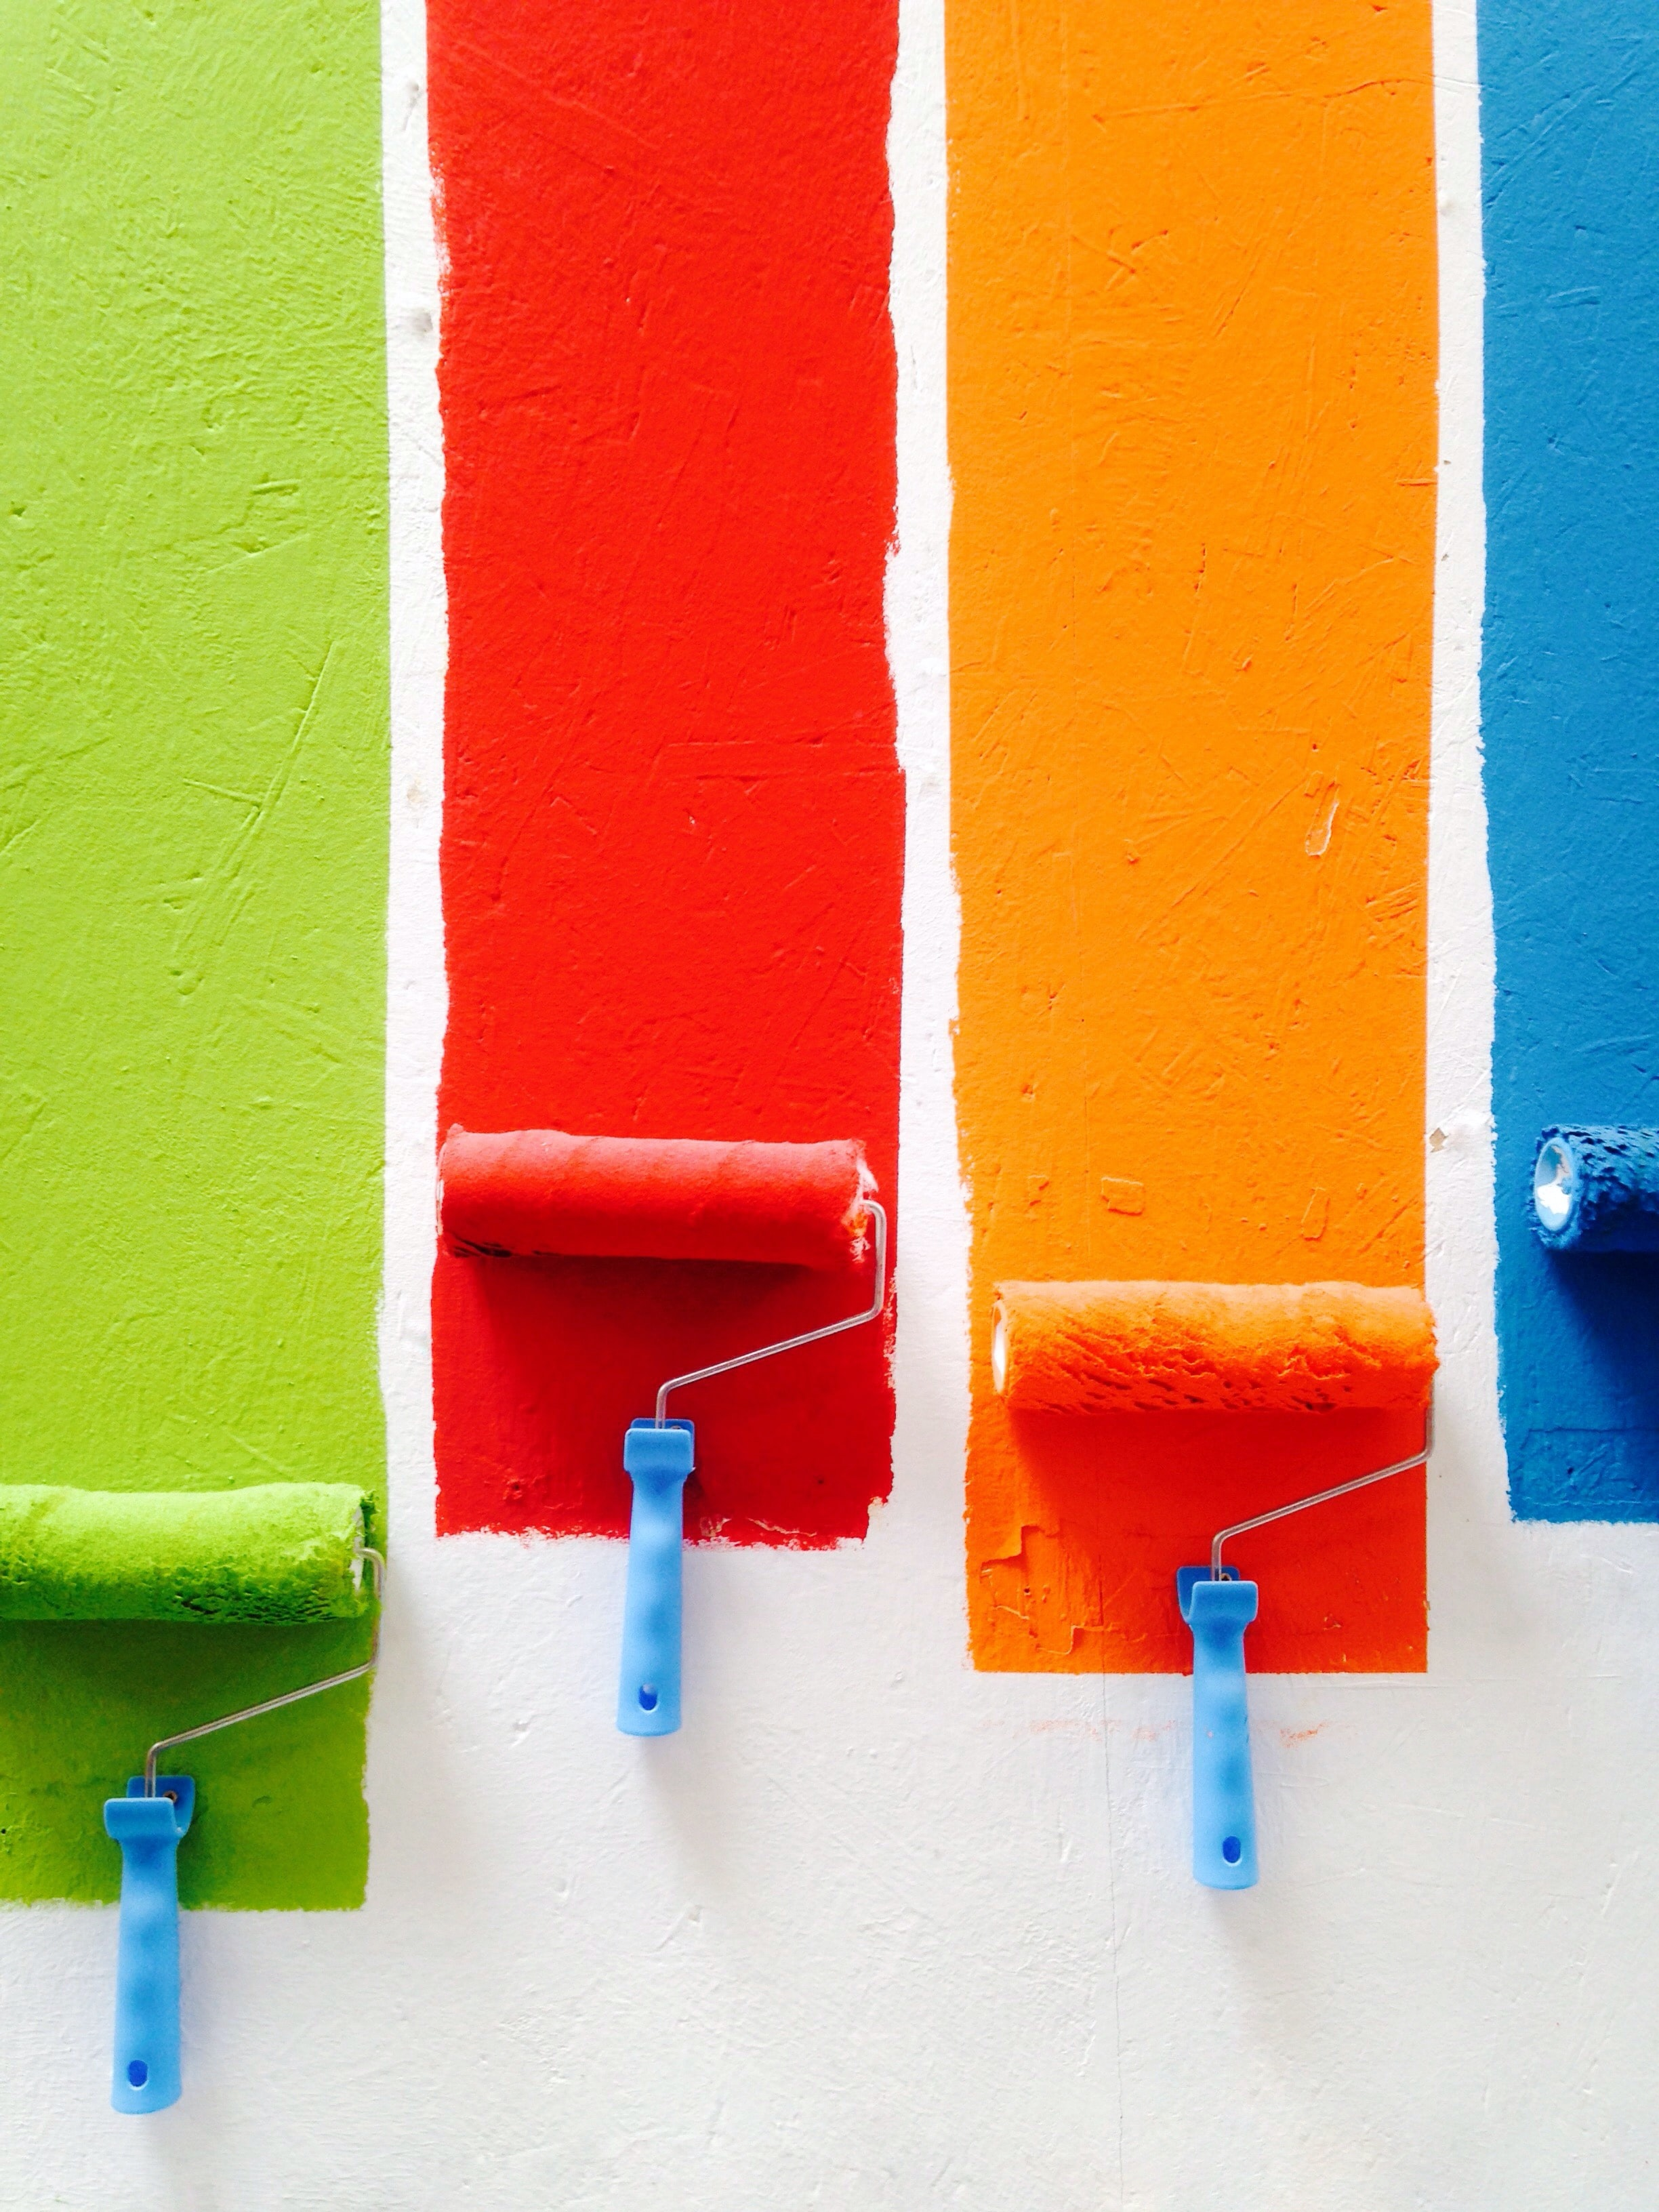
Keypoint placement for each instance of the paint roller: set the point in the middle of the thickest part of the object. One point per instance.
(275, 1552)
(1596, 1189)
(1109, 1347)
(535, 1194)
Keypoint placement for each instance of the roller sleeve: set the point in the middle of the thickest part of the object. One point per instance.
(1596, 1188)
(535, 1193)
(1183, 1347)
(276, 1552)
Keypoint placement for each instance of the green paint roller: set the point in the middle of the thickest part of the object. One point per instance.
(281, 1552)
(276, 1553)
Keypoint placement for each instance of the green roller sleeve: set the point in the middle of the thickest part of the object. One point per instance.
(276, 1552)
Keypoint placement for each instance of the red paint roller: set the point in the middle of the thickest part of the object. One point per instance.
(1186, 1347)
(534, 1194)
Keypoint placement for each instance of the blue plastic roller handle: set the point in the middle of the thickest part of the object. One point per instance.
(658, 1461)
(1223, 1799)
(148, 1829)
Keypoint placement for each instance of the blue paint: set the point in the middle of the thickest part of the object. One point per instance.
(1570, 690)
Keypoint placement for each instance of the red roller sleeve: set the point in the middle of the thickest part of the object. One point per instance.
(533, 1191)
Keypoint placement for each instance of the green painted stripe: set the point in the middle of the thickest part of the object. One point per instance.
(192, 874)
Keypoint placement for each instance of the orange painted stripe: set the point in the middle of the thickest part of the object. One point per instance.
(1193, 329)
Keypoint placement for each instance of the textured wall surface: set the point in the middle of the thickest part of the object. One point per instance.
(1192, 432)
(880, 1931)
(1569, 112)
(673, 817)
(192, 874)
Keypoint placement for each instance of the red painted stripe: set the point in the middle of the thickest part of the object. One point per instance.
(673, 833)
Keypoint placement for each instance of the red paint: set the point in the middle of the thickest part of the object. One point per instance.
(672, 837)
(538, 1192)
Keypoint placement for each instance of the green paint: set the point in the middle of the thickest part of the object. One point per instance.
(277, 1552)
(192, 875)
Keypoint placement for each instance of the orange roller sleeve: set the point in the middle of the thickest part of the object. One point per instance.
(1211, 1348)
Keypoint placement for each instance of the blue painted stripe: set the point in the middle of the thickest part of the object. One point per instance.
(1570, 107)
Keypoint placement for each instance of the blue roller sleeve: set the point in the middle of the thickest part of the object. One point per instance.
(148, 1829)
(1596, 1189)
(658, 1461)
(1224, 1801)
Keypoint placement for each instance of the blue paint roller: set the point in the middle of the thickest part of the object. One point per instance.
(1596, 1189)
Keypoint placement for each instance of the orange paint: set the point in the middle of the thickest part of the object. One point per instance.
(1193, 424)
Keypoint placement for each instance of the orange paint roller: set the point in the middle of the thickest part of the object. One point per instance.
(533, 1194)
(1208, 1347)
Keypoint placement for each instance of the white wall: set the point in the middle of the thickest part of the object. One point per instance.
(875, 1932)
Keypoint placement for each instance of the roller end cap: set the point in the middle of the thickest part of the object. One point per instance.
(1596, 1188)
